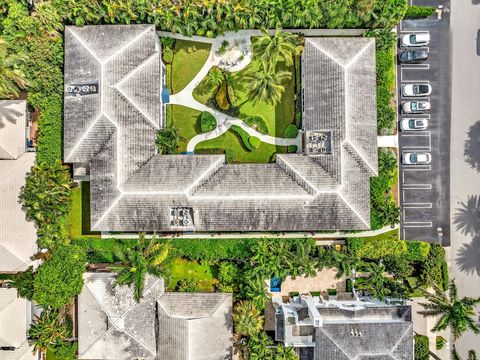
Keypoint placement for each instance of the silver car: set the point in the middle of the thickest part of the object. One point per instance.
(415, 107)
(415, 40)
(409, 124)
(416, 90)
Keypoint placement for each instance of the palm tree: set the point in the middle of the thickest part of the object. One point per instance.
(167, 140)
(270, 49)
(247, 319)
(254, 289)
(454, 312)
(215, 77)
(23, 282)
(11, 78)
(145, 257)
(376, 280)
(260, 347)
(48, 330)
(348, 261)
(267, 85)
(285, 353)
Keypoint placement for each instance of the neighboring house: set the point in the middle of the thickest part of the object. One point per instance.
(15, 319)
(17, 235)
(113, 84)
(361, 329)
(174, 326)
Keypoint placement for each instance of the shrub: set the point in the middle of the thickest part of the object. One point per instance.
(167, 141)
(291, 131)
(254, 142)
(60, 278)
(50, 236)
(223, 48)
(431, 271)
(207, 121)
(298, 119)
(445, 275)
(50, 330)
(228, 273)
(230, 156)
(187, 285)
(167, 42)
(422, 351)
(377, 248)
(221, 97)
(416, 12)
(23, 282)
(257, 122)
(167, 54)
(210, 151)
(292, 149)
(247, 319)
(243, 135)
(45, 197)
(417, 250)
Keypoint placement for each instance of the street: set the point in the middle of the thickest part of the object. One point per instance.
(465, 179)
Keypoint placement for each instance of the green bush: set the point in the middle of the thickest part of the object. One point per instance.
(210, 151)
(243, 135)
(60, 278)
(416, 12)
(417, 250)
(221, 97)
(167, 42)
(228, 276)
(257, 122)
(230, 156)
(187, 285)
(432, 267)
(292, 149)
(298, 119)
(445, 275)
(385, 65)
(422, 351)
(291, 131)
(207, 122)
(254, 142)
(377, 248)
(167, 54)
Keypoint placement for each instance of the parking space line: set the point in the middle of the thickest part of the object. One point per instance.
(410, 224)
(417, 187)
(417, 205)
(417, 81)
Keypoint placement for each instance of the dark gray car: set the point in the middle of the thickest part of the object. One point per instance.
(413, 56)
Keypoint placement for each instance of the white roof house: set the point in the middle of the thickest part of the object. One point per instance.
(13, 122)
(17, 235)
(15, 318)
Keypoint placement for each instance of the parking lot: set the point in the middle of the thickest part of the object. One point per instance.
(424, 189)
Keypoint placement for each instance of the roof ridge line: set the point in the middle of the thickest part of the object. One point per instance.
(83, 43)
(16, 256)
(206, 175)
(2, 147)
(358, 54)
(328, 54)
(132, 41)
(347, 142)
(289, 165)
(401, 338)
(114, 203)
(351, 208)
(132, 103)
(84, 136)
(333, 341)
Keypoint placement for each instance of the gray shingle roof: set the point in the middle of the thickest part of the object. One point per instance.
(133, 189)
(187, 326)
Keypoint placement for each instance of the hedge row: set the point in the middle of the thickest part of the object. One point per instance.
(422, 351)
(244, 136)
(207, 121)
(258, 123)
(417, 12)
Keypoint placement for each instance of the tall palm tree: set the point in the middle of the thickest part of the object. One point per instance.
(267, 85)
(285, 353)
(49, 329)
(23, 282)
(270, 49)
(11, 78)
(145, 257)
(215, 77)
(347, 262)
(247, 319)
(260, 347)
(454, 312)
(376, 280)
(472, 354)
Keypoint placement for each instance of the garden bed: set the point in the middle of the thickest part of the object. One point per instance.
(79, 216)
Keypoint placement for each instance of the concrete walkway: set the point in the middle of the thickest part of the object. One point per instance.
(242, 43)
(387, 141)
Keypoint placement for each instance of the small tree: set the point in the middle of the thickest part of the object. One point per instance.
(46, 194)
(247, 319)
(60, 278)
(23, 282)
(167, 140)
(281, 46)
(49, 330)
(266, 85)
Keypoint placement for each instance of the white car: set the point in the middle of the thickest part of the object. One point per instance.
(415, 90)
(415, 40)
(416, 158)
(408, 124)
(415, 107)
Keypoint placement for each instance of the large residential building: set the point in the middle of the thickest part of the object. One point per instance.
(113, 84)
(174, 326)
(356, 329)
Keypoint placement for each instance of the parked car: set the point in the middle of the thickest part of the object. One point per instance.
(413, 56)
(408, 124)
(415, 40)
(415, 107)
(416, 90)
(416, 158)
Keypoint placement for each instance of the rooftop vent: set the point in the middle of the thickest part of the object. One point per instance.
(88, 88)
(318, 142)
(181, 216)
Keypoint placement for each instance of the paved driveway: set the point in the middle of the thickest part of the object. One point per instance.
(465, 179)
(424, 190)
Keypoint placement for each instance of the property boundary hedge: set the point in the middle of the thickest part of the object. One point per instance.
(417, 12)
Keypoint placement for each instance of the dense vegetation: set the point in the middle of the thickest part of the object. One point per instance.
(415, 12)
(421, 347)
(383, 208)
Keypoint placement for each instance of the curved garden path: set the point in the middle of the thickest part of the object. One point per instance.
(224, 122)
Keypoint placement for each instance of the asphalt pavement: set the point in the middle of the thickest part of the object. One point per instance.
(465, 178)
(424, 189)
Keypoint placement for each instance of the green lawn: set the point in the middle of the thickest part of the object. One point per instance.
(183, 269)
(79, 216)
(186, 121)
(231, 141)
(389, 235)
(188, 59)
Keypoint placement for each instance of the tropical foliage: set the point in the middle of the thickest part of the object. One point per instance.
(50, 330)
(454, 312)
(11, 78)
(147, 256)
(266, 85)
(271, 49)
(60, 278)
(167, 140)
(23, 282)
(247, 319)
